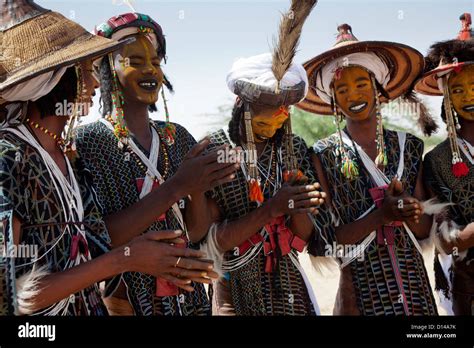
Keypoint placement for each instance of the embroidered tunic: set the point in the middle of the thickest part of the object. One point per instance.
(28, 193)
(460, 191)
(254, 288)
(370, 285)
(116, 176)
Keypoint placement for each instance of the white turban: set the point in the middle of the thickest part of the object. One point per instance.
(34, 88)
(368, 60)
(258, 70)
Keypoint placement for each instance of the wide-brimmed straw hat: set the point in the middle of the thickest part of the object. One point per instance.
(446, 56)
(35, 40)
(405, 64)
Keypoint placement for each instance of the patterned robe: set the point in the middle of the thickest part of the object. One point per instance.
(27, 192)
(369, 286)
(115, 173)
(449, 189)
(254, 291)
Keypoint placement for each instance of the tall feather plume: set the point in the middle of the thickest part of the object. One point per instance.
(291, 25)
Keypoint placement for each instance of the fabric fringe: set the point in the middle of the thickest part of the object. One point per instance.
(442, 283)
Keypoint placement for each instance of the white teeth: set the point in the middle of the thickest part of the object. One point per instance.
(148, 84)
(469, 108)
(358, 107)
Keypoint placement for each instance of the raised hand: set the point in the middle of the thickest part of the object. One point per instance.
(201, 172)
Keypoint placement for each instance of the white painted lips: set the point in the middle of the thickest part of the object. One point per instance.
(358, 107)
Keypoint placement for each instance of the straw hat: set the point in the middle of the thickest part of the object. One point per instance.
(447, 56)
(405, 64)
(35, 40)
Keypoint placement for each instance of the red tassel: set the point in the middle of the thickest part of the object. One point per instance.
(255, 192)
(460, 169)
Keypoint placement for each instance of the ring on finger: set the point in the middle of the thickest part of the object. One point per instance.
(176, 264)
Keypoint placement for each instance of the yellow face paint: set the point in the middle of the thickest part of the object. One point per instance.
(354, 92)
(461, 92)
(139, 71)
(266, 122)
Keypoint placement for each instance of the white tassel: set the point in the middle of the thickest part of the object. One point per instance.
(433, 207)
(324, 265)
(27, 287)
(448, 230)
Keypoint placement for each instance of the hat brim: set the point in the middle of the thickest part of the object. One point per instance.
(428, 84)
(404, 62)
(87, 46)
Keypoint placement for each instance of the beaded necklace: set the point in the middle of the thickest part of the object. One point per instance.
(271, 172)
(139, 162)
(59, 141)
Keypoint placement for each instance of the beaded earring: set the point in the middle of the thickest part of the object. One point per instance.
(69, 146)
(381, 160)
(253, 178)
(349, 168)
(120, 130)
(169, 131)
(459, 168)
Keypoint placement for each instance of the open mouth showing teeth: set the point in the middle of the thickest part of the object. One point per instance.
(261, 137)
(358, 107)
(149, 85)
(469, 108)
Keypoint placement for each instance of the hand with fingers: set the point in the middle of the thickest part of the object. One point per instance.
(399, 206)
(156, 254)
(200, 172)
(297, 199)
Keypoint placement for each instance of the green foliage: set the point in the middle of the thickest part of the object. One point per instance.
(312, 127)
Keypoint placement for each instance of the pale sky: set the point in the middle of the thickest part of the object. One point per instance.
(205, 37)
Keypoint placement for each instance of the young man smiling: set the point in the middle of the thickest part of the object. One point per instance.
(449, 167)
(372, 176)
(147, 173)
(46, 200)
(263, 217)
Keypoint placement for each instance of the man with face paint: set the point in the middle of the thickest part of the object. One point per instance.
(449, 168)
(149, 175)
(51, 230)
(372, 177)
(264, 216)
